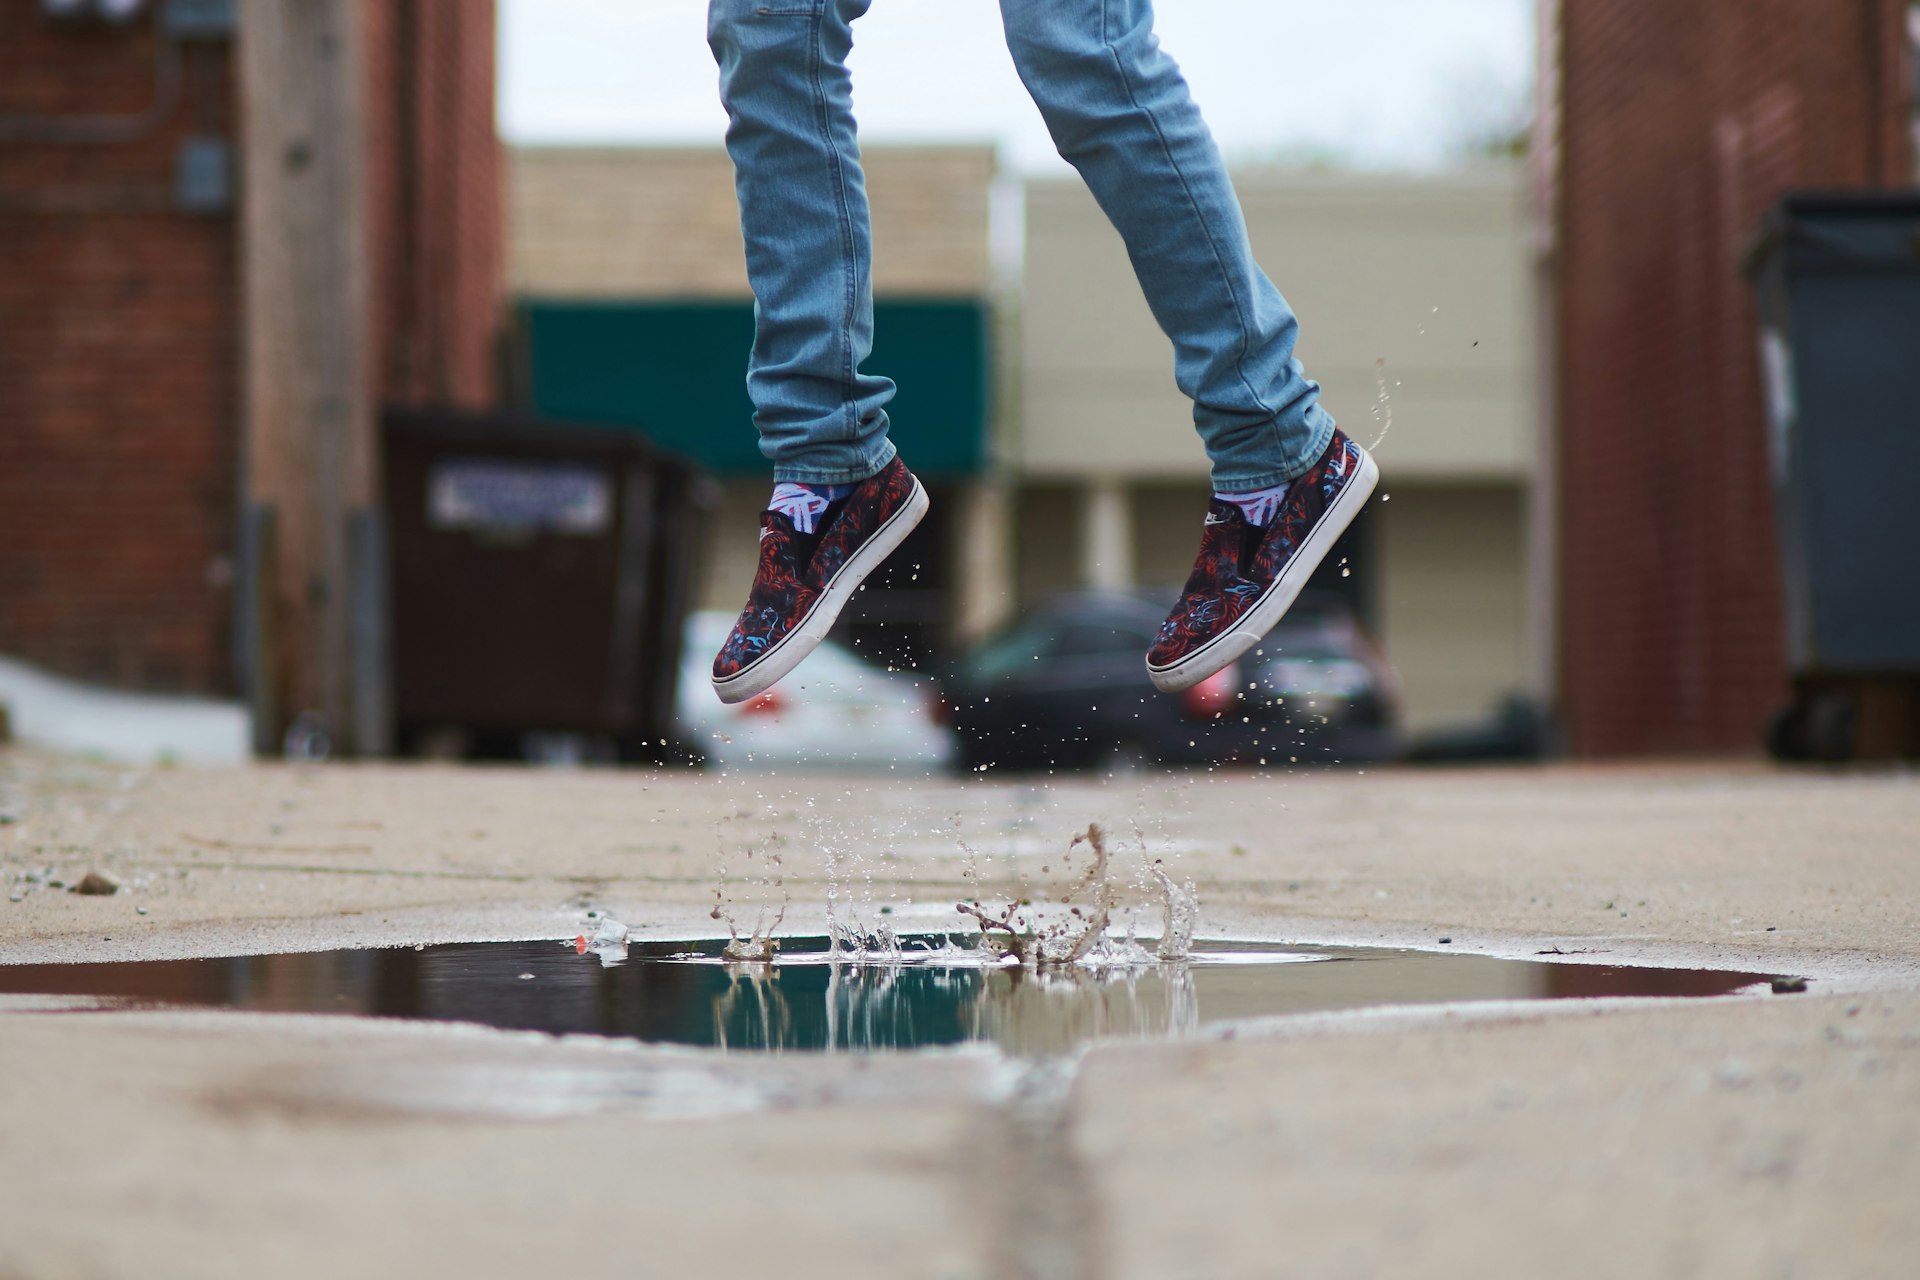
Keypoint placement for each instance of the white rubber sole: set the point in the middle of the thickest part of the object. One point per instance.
(793, 647)
(1228, 646)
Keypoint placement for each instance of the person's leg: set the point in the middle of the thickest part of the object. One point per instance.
(1120, 112)
(842, 501)
(803, 214)
(1286, 481)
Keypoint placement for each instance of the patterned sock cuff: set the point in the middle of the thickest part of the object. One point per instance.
(1258, 505)
(804, 503)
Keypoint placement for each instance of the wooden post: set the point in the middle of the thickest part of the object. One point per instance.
(308, 440)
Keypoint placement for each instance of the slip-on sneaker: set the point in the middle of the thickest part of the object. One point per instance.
(805, 579)
(1247, 577)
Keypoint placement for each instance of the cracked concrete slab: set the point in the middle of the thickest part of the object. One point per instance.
(1763, 1137)
(1767, 1136)
(220, 1145)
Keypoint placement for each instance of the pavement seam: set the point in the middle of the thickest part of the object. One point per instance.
(1049, 1227)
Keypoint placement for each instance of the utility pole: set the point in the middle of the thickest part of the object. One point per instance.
(310, 635)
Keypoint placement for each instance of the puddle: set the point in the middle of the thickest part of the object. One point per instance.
(685, 993)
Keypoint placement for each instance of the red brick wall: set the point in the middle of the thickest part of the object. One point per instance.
(1680, 125)
(118, 389)
(119, 371)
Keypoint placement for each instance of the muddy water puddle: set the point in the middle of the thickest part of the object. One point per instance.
(684, 993)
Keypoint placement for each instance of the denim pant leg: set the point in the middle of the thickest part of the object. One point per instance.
(803, 213)
(1120, 113)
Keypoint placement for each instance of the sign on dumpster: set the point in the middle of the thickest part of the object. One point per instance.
(518, 497)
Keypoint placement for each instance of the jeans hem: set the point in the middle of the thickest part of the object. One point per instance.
(1231, 478)
(852, 473)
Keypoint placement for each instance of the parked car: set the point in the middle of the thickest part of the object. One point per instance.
(836, 711)
(1067, 687)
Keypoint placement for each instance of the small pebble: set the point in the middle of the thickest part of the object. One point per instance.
(1445, 941)
(1787, 986)
(97, 884)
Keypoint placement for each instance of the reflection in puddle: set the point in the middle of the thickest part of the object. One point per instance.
(685, 993)
(1023, 1012)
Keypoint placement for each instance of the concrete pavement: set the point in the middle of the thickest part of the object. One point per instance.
(1773, 1136)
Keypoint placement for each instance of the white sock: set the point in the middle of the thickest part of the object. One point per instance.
(804, 503)
(1258, 505)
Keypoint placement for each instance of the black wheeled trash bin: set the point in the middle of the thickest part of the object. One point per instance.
(1838, 278)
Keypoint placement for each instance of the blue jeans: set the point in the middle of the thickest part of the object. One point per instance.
(1119, 112)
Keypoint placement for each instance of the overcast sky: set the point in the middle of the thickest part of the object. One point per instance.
(1370, 83)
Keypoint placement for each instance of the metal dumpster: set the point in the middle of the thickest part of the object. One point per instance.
(1838, 280)
(540, 576)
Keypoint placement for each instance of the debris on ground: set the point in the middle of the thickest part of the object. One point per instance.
(609, 942)
(96, 884)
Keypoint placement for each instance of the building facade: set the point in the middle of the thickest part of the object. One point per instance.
(227, 235)
(1416, 302)
(1668, 132)
(119, 354)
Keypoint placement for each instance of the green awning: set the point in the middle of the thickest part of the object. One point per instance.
(677, 371)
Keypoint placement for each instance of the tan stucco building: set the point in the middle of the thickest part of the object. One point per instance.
(1415, 298)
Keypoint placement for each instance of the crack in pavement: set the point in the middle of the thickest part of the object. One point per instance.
(1049, 1219)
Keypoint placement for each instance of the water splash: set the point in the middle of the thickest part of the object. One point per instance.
(1382, 403)
(1181, 918)
(1074, 930)
(858, 931)
(758, 943)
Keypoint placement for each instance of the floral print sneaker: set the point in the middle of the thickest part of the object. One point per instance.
(804, 580)
(1247, 577)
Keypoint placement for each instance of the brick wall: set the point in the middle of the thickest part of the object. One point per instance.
(119, 347)
(118, 386)
(1680, 125)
